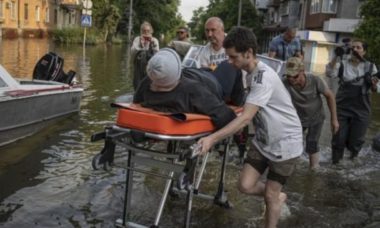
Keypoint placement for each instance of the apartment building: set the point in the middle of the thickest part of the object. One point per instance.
(35, 18)
(322, 25)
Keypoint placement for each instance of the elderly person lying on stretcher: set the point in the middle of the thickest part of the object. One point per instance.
(168, 88)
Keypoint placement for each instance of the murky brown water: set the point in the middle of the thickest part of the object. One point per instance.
(47, 181)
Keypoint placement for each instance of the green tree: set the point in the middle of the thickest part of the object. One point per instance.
(162, 14)
(196, 24)
(106, 17)
(369, 29)
(227, 10)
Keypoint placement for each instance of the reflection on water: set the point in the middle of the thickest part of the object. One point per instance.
(47, 181)
(19, 56)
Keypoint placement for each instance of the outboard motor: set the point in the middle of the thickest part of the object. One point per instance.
(50, 68)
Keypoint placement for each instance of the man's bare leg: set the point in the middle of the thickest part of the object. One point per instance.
(314, 160)
(274, 199)
(249, 181)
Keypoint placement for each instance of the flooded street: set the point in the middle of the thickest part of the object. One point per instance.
(46, 180)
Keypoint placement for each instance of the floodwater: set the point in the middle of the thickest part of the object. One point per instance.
(46, 180)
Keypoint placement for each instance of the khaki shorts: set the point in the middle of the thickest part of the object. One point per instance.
(313, 134)
(278, 171)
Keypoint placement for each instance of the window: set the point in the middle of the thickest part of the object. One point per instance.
(13, 10)
(26, 13)
(47, 15)
(1, 9)
(315, 6)
(329, 6)
(37, 11)
(284, 8)
(358, 10)
(55, 16)
(323, 6)
(272, 17)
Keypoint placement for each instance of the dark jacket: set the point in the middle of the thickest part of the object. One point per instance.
(231, 82)
(189, 96)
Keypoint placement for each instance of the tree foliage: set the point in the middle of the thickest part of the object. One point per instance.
(112, 15)
(196, 24)
(162, 14)
(227, 10)
(369, 29)
(106, 17)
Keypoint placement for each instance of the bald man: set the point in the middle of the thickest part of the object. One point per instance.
(213, 57)
(213, 53)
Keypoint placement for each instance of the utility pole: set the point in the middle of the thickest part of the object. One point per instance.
(86, 18)
(130, 20)
(239, 14)
(129, 71)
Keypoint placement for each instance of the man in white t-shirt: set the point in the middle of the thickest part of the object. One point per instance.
(277, 144)
(213, 53)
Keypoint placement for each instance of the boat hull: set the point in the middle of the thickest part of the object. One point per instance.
(25, 115)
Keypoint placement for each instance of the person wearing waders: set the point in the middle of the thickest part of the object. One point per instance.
(352, 99)
(142, 49)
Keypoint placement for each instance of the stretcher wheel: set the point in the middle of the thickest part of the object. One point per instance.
(222, 201)
(183, 182)
(227, 205)
(97, 165)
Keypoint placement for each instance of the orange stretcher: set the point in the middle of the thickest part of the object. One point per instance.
(145, 119)
(134, 125)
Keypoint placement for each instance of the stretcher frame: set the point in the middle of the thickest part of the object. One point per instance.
(190, 174)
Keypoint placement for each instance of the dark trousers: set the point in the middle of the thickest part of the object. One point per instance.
(352, 129)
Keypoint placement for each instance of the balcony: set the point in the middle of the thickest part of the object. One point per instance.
(340, 25)
(70, 5)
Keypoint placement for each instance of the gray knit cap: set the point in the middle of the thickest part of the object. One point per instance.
(164, 68)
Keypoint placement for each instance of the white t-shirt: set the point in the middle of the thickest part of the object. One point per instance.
(138, 46)
(278, 130)
(350, 71)
(208, 57)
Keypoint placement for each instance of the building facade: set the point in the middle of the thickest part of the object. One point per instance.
(322, 25)
(36, 18)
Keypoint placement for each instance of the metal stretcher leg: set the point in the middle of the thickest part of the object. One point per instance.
(165, 160)
(190, 188)
(189, 204)
(163, 199)
(128, 188)
(200, 173)
(221, 196)
(171, 147)
(134, 158)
